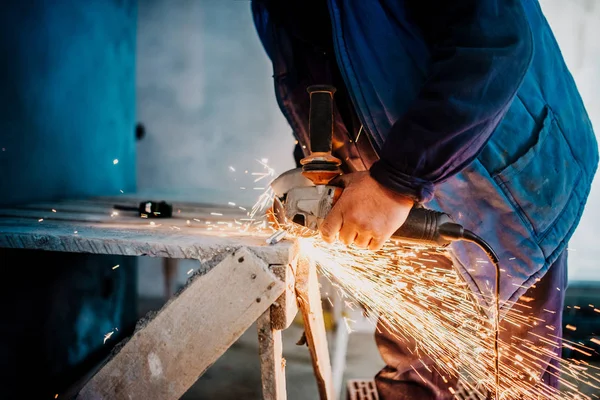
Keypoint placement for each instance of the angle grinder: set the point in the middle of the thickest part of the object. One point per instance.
(305, 195)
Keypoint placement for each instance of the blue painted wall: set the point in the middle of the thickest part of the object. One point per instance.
(67, 111)
(67, 98)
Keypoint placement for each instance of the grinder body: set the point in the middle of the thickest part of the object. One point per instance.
(309, 205)
(305, 196)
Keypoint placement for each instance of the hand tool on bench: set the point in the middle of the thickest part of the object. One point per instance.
(149, 209)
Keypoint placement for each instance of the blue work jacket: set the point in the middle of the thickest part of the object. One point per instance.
(470, 109)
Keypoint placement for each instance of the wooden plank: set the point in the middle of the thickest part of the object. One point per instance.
(309, 303)
(154, 241)
(77, 214)
(187, 206)
(163, 359)
(184, 198)
(178, 207)
(285, 308)
(272, 363)
(100, 209)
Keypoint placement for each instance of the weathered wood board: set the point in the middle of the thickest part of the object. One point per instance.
(156, 238)
(285, 308)
(272, 363)
(164, 358)
(196, 231)
(309, 303)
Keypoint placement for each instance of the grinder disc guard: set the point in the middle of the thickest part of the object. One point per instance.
(298, 200)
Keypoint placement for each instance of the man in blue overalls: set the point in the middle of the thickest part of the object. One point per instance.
(464, 106)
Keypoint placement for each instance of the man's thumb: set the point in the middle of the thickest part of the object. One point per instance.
(341, 180)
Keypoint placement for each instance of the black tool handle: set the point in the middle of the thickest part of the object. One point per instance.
(320, 122)
(422, 227)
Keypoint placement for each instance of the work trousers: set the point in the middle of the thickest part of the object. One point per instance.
(406, 378)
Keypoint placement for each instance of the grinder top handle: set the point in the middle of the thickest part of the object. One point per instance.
(320, 120)
(320, 166)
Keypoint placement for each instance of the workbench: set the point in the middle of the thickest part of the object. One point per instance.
(241, 280)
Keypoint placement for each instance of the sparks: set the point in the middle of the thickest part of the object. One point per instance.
(116, 266)
(115, 161)
(432, 307)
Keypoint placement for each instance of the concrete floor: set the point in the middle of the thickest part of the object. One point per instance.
(236, 375)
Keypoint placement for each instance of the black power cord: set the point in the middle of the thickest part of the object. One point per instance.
(452, 232)
(473, 238)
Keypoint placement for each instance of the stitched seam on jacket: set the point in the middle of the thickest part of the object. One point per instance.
(552, 117)
(556, 253)
(542, 271)
(504, 307)
(544, 234)
(515, 204)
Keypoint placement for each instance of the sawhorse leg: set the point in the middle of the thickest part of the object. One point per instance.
(270, 324)
(272, 363)
(309, 303)
(302, 292)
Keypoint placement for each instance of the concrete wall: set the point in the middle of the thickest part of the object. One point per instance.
(206, 98)
(67, 102)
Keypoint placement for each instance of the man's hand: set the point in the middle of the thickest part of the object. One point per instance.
(367, 214)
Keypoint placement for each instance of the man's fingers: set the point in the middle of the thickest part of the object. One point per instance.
(331, 226)
(362, 240)
(347, 235)
(376, 244)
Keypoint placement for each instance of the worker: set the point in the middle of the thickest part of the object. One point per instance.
(463, 106)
